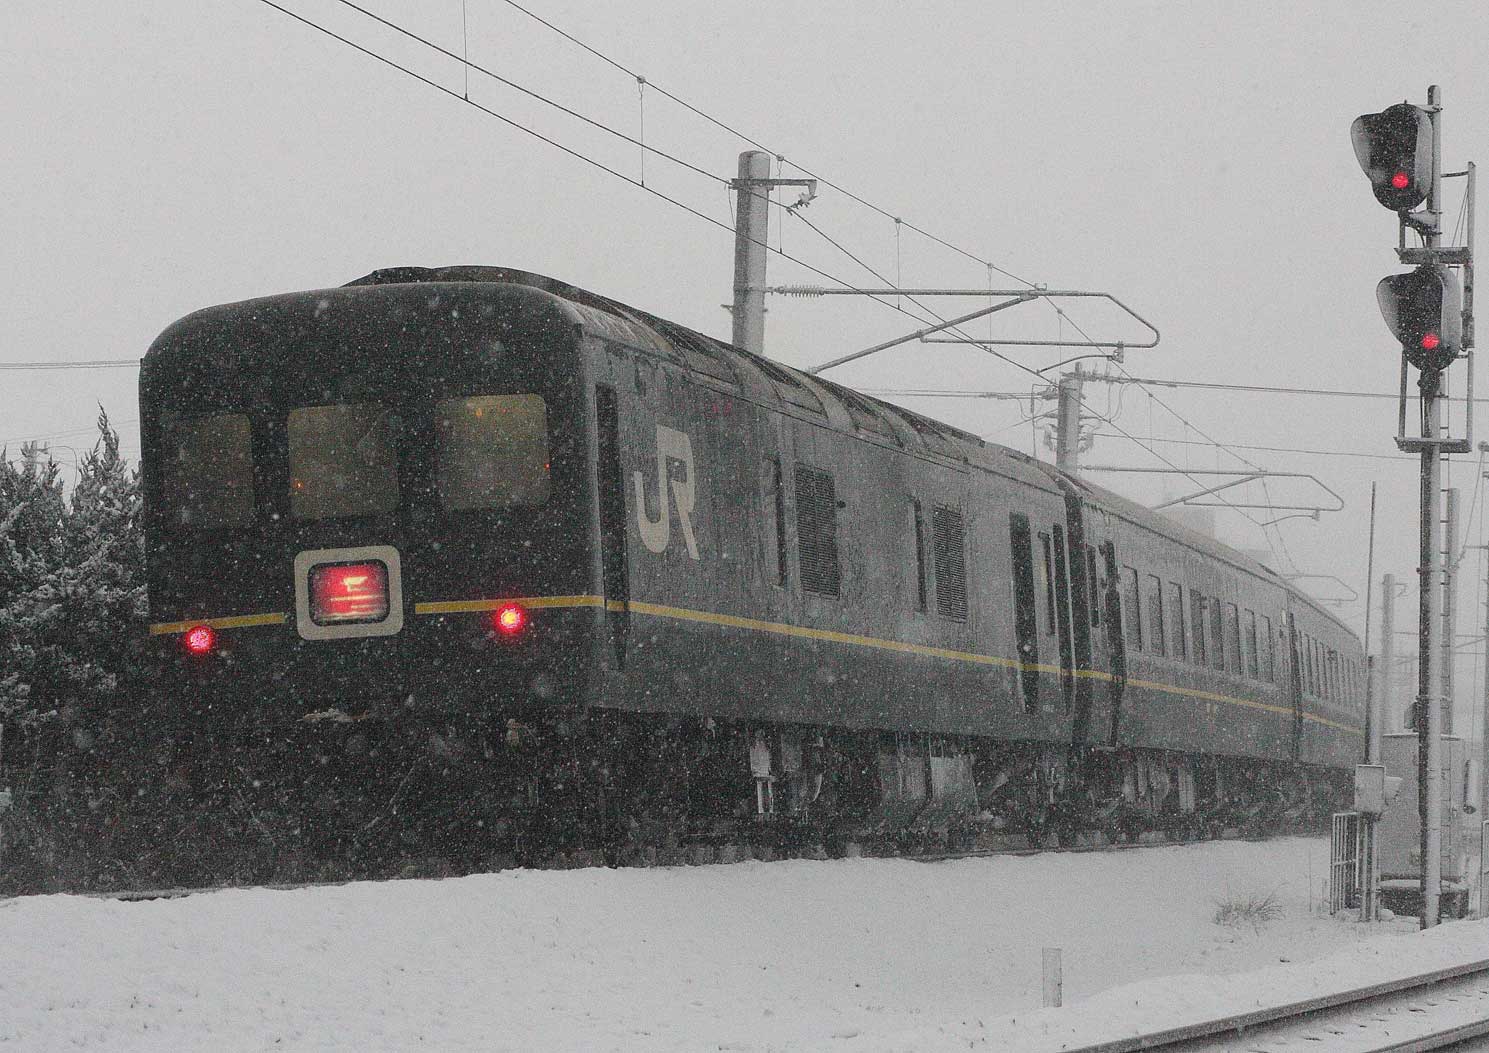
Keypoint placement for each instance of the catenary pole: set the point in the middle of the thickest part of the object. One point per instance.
(1068, 423)
(751, 228)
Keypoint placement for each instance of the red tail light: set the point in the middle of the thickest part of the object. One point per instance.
(510, 618)
(200, 639)
(348, 592)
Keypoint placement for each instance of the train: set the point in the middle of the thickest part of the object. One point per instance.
(609, 584)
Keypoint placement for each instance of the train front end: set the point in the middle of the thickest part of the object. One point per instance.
(369, 501)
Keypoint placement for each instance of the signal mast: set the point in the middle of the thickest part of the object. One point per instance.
(1431, 316)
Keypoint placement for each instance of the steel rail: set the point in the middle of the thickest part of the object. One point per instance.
(1174, 1037)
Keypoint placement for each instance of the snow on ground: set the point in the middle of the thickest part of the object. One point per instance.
(854, 955)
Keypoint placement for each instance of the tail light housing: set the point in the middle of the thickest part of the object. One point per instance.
(341, 593)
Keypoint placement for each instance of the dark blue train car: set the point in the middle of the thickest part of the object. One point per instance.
(713, 588)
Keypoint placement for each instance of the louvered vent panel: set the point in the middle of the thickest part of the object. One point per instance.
(816, 531)
(951, 563)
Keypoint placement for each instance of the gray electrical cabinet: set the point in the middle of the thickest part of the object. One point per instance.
(1399, 831)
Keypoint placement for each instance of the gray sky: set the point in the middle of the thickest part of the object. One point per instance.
(1192, 159)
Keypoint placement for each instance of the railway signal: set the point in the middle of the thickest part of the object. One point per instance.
(1394, 148)
(1431, 316)
(1424, 310)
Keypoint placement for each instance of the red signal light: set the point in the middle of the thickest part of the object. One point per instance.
(200, 639)
(1430, 341)
(510, 618)
(1401, 180)
(349, 592)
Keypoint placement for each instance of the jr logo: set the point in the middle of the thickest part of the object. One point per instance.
(656, 533)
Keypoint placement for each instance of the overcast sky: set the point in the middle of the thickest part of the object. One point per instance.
(1191, 159)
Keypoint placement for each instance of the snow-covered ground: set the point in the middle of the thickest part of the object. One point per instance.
(849, 954)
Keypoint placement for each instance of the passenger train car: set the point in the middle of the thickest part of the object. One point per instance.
(609, 556)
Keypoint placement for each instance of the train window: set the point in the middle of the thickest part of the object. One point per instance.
(1268, 651)
(949, 541)
(1197, 625)
(917, 524)
(1232, 638)
(1132, 615)
(1248, 643)
(1026, 622)
(492, 451)
(343, 460)
(1093, 592)
(208, 470)
(1217, 634)
(817, 531)
(1153, 595)
(1176, 646)
(778, 501)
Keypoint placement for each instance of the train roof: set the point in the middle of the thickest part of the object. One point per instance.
(800, 394)
(773, 383)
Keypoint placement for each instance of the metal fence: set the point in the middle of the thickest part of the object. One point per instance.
(1347, 861)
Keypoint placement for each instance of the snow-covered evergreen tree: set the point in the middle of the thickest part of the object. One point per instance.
(32, 512)
(72, 612)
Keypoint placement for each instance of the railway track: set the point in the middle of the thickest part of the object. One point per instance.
(1444, 1009)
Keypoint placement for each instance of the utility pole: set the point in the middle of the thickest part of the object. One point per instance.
(1068, 422)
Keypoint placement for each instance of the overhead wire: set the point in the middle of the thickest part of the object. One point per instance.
(370, 53)
(687, 208)
(1279, 449)
(761, 146)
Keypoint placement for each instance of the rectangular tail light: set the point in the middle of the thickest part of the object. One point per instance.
(349, 593)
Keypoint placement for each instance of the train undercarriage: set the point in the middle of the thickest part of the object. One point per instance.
(337, 797)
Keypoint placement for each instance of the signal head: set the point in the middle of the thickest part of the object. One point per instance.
(1394, 147)
(1424, 311)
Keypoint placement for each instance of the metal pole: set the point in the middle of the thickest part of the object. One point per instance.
(1429, 710)
(1381, 703)
(1449, 604)
(751, 228)
(1484, 716)
(1068, 423)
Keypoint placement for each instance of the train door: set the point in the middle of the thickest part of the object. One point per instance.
(1115, 637)
(1080, 563)
(1057, 605)
(1294, 683)
(612, 511)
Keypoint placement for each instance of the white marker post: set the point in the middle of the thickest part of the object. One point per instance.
(1054, 977)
